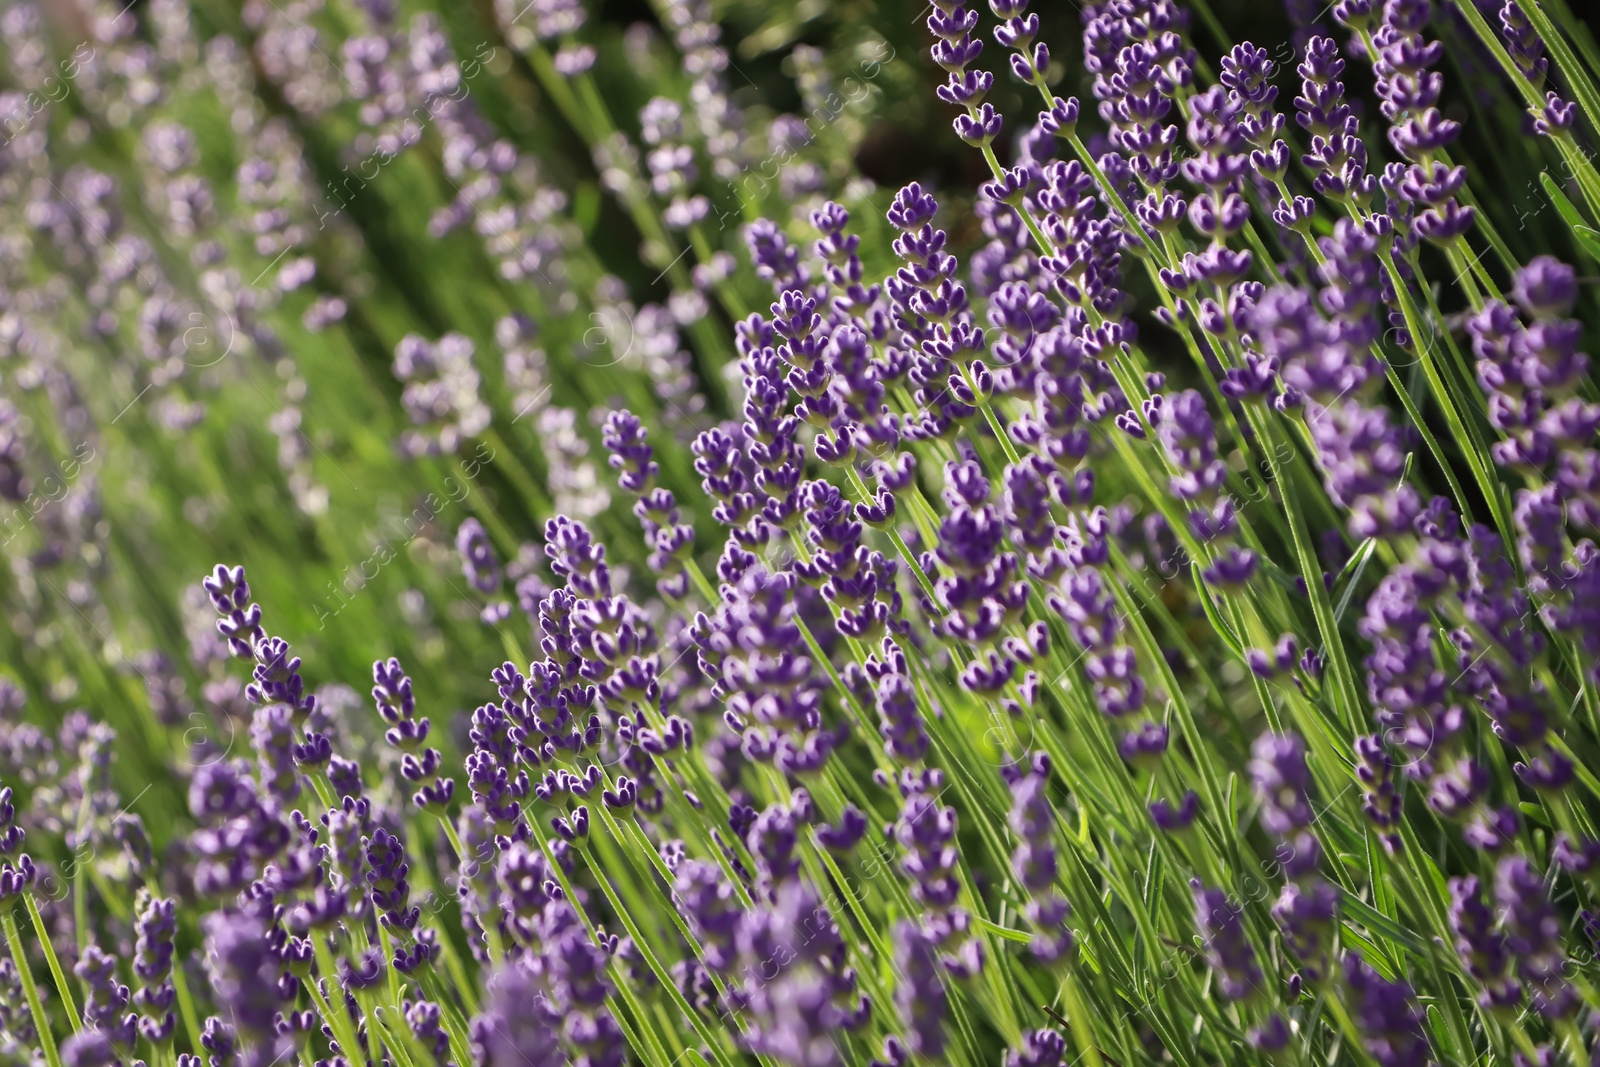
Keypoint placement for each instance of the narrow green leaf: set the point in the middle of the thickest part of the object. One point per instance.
(1359, 910)
(1588, 238)
(1350, 577)
(1559, 199)
(1443, 1039)
(1367, 951)
(1224, 631)
(1152, 878)
(1535, 813)
(1003, 931)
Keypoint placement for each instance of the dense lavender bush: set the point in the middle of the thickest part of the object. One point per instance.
(1110, 581)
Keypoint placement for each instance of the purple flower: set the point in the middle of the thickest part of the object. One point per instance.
(1171, 817)
(728, 476)
(1408, 89)
(856, 580)
(1380, 800)
(976, 586)
(1040, 1048)
(841, 838)
(217, 1038)
(773, 838)
(1338, 155)
(631, 455)
(1557, 115)
(1278, 769)
(1305, 912)
(774, 258)
(926, 831)
(669, 540)
(88, 1048)
(772, 700)
(345, 855)
(1027, 511)
(441, 395)
(930, 306)
(1574, 857)
(518, 1026)
(1405, 680)
(1085, 263)
(276, 680)
(386, 872)
(237, 833)
(771, 434)
(272, 736)
(842, 264)
(1282, 780)
(1217, 129)
(423, 1018)
(155, 928)
(1032, 819)
(1092, 620)
(12, 835)
(525, 885)
(1189, 438)
(391, 692)
(1481, 945)
(1386, 1014)
(478, 563)
(1523, 43)
(240, 624)
(899, 719)
(920, 994)
(1138, 70)
(1533, 935)
(1353, 289)
(244, 974)
(106, 1008)
(707, 902)
(1227, 947)
(576, 970)
(793, 1010)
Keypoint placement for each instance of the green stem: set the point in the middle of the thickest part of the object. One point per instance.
(186, 1012)
(1311, 572)
(56, 973)
(335, 1014)
(1486, 481)
(1082, 1026)
(460, 1043)
(41, 1022)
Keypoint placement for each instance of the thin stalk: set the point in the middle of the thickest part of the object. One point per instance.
(336, 1014)
(1311, 572)
(63, 990)
(41, 1022)
(1487, 483)
(186, 1012)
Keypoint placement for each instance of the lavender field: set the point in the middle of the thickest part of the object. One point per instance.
(811, 533)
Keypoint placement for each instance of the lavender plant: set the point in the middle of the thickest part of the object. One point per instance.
(1114, 583)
